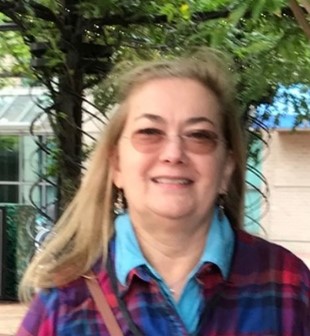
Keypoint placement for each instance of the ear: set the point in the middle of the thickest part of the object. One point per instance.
(115, 168)
(228, 169)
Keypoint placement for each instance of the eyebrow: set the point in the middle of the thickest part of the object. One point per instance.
(196, 120)
(190, 121)
(150, 116)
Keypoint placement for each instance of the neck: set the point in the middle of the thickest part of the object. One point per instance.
(172, 251)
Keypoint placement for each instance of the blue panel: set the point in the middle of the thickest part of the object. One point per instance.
(286, 122)
(291, 107)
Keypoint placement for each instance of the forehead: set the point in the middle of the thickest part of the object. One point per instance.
(172, 100)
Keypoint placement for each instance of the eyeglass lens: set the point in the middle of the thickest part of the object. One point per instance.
(198, 141)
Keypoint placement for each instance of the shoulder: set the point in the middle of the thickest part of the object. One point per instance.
(272, 283)
(41, 315)
(72, 294)
(260, 248)
(256, 254)
(49, 304)
(57, 309)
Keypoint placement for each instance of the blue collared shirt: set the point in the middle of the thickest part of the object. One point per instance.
(218, 250)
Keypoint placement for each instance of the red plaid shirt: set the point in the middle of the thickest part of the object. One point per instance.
(266, 294)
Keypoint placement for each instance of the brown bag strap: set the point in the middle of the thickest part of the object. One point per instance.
(102, 305)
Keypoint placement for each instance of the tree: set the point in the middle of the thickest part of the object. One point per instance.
(74, 44)
(299, 14)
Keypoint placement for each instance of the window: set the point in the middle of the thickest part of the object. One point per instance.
(22, 164)
(9, 172)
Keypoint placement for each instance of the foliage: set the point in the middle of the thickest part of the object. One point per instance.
(14, 56)
(267, 45)
(10, 258)
(8, 143)
(17, 245)
(74, 45)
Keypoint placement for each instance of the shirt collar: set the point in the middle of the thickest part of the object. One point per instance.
(128, 255)
(219, 244)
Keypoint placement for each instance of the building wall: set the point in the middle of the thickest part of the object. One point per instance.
(287, 169)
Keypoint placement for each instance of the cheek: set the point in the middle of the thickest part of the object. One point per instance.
(212, 172)
(133, 168)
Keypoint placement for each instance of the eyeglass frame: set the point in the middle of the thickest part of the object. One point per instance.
(183, 137)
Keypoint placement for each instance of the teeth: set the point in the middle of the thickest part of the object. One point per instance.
(166, 180)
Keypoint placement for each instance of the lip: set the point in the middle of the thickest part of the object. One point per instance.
(172, 180)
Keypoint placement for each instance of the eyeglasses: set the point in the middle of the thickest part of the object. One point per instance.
(195, 141)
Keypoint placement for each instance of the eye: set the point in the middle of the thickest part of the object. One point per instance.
(149, 131)
(147, 136)
(202, 135)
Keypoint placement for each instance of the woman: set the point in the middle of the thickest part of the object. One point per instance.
(174, 260)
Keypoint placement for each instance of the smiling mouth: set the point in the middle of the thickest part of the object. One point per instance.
(167, 180)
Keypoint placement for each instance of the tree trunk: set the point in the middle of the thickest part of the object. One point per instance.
(69, 137)
(69, 110)
(300, 17)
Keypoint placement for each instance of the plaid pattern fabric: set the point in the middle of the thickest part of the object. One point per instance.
(266, 294)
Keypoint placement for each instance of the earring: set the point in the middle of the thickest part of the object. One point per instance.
(221, 207)
(119, 207)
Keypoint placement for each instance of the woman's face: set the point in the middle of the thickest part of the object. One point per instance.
(168, 161)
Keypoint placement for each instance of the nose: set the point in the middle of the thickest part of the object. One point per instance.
(172, 150)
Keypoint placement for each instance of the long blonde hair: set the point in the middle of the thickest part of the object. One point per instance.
(82, 234)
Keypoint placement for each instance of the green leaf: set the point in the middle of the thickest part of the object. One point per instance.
(257, 9)
(169, 10)
(185, 11)
(238, 13)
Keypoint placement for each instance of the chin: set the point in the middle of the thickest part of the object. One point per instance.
(172, 214)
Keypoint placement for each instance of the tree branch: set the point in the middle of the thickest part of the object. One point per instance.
(9, 26)
(132, 18)
(306, 5)
(41, 12)
(300, 18)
